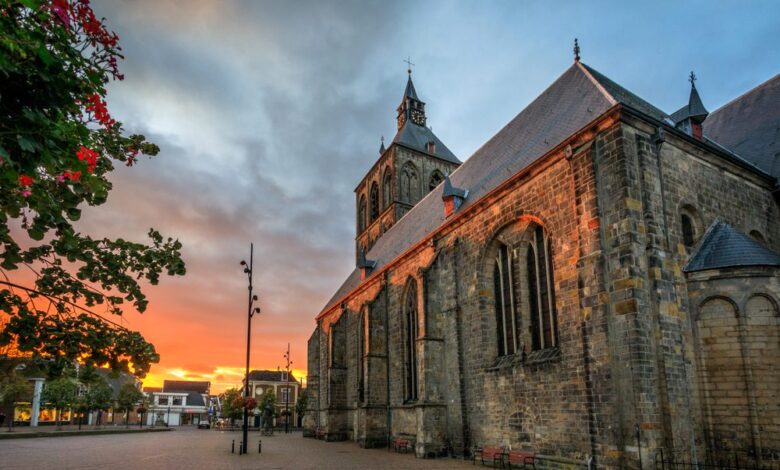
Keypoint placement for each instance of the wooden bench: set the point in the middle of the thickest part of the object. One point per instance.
(491, 454)
(402, 445)
(520, 458)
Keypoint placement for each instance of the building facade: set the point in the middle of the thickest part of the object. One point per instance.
(285, 388)
(178, 403)
(598, 283)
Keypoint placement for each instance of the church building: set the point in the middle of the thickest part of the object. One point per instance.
(597, 284)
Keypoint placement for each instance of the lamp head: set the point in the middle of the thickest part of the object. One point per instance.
(243, 263)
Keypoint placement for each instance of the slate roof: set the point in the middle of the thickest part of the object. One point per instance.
(410, 92)
(723, 246)
(269, 376)
(115, 380)
(694, 109)
(182, 386)
(417, 138)
(750, 126)
(195, 399)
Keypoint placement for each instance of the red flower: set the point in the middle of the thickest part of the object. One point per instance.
(72, 175)
(90, 156)
(25, 180)
(98, 107)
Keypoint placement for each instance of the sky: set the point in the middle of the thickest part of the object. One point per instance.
(268, 114)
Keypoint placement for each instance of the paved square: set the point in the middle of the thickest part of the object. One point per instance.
(195, 449)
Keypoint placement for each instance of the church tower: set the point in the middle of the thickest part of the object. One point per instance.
(414, 163)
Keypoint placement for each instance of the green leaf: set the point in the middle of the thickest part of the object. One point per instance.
(26, 144)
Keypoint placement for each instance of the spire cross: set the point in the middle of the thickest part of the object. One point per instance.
(409, 64)
(692, 79)
(576, 50)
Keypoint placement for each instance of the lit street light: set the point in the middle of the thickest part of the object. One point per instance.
(250, 313)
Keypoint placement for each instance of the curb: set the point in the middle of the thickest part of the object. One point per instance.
(26, 435)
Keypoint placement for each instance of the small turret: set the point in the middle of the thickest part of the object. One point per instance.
(690, 117)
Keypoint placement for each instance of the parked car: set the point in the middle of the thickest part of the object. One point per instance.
(204, 425)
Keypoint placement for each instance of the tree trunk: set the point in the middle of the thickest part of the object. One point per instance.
(58, 414)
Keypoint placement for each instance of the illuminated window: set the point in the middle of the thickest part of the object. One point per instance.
(541, 295)
(410, 340)
(503, 290)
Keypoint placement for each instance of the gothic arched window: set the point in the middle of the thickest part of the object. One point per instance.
(689, 225)
(374, 198)
(435, 179)
(387, 189)
(409, 183)
(541, 295)
(410, 340)
(362, 349)
(504, 292)
(362, 214)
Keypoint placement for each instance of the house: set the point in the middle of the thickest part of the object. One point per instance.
(178, 403)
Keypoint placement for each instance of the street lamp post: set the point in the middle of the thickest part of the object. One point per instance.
(287, 393)
(250, 313)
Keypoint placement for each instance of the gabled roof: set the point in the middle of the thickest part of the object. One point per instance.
(115, 380)
(417, 137)
(723, 246)
(750, 126)
(575, 99)
(186, 386)
(195, 399)
(270, 376)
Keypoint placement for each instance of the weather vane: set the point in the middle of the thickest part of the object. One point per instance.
(409, 64)
(576, 50)
(692, 79)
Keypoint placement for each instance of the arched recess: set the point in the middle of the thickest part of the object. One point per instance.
(362, 213)
(722, 374)
(435, 179)
(410, 315)
(373, 196)
(758, 236)
(362, 351)
(763, 351)
(410, 183)
(691, 226)
(518, 272)
(387, 189)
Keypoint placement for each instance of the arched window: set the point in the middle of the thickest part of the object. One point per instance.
(541, 294)
(410, 340)
(435, 179)
(688, 232)
(409, 183)
(387, 189)
(757, 236)
(503, 289)
(362, 349)
(374, 198)
(362, 214)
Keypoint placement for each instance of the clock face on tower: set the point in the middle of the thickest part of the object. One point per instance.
(418, 118)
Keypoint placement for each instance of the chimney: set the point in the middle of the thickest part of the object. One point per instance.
(431, 147)
(453, 197)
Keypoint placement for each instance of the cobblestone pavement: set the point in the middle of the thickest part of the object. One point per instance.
(195, 449)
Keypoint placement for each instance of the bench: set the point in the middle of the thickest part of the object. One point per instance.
(522, 458)
(491, 454)
(402, 445)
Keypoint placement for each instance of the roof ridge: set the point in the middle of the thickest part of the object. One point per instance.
(747, 92)
(598, 84)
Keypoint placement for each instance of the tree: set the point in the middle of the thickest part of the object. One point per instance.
(143, 407)
(302, 403)
(232, 405)
(58, 145)
(98, 397)
(60, 394)
(128, 398)
(12, 390)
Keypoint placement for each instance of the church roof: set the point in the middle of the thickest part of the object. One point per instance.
(750, 126)
(723, 246)
(410, 92)
(574, 100)
(417, 137)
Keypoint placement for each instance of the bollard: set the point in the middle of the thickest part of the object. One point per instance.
(233, 447)
(259, 446)
(241, 450)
